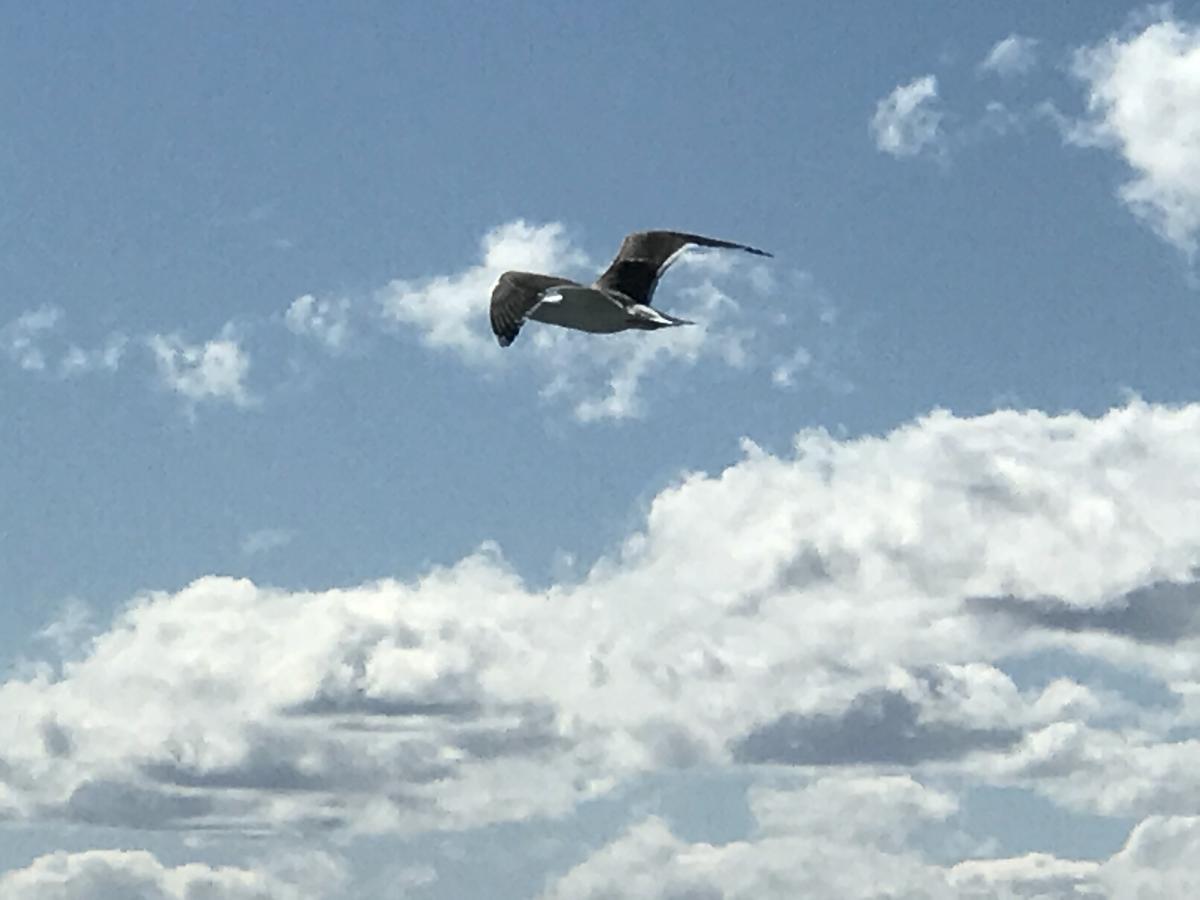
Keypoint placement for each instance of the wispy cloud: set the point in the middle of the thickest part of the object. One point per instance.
(107, 357)
(907, 122)
(1015, 55)
(33, 341)
(325, 320)
(265, 540)
(20, 338)
(610, 385)
(785, 371)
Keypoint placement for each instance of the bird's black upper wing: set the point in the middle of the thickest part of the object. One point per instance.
(645, 255)
(514, 295)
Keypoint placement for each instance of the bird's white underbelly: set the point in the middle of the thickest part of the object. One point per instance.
(583, 308)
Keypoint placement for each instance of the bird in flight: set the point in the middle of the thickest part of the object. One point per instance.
(619, 300)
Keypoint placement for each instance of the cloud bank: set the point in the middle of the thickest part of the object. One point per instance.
(815, 841)
(853, 609)
(122, 875)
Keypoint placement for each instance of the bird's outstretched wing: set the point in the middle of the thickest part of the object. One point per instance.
(645, 255)
(514, 295)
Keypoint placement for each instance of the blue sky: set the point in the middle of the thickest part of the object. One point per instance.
(885, 570)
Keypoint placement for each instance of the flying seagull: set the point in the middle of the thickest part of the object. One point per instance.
(619, 300)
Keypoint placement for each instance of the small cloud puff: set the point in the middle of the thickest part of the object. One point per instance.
(107, 357)
(325, 320)
(19, 339)
(907, 121)
(1015, 55)
(214, 371)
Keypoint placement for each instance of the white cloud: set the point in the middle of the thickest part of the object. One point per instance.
(214, 371)
(908, 120)
(848, 837)
(1155, 860)
(625, 361)
(450, 311)
(1143, 97)
(70, 629)
(784, 374)
(133, 874)
(24, 340)
(853, 605)
(77, 361)
(266, 539)
(325, 320)
(1015, 55)
(1141, 771)
(812, 842)
(20, 338)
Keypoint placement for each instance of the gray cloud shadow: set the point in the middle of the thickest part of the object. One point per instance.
(1161, 613)
(880, 726)
(111, 802)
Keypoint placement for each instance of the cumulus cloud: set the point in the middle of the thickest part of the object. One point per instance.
(601, 376)
(1015, 55)
(1127, 772)
(855, 838)
(809, 842)
(214, 371)
(907, 121)
(817, 610)
(1143, 100)
(385, 707)
(125, 874)
(325, 320)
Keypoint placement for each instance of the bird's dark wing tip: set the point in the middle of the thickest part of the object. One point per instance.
(506, 332)
(701, 241)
